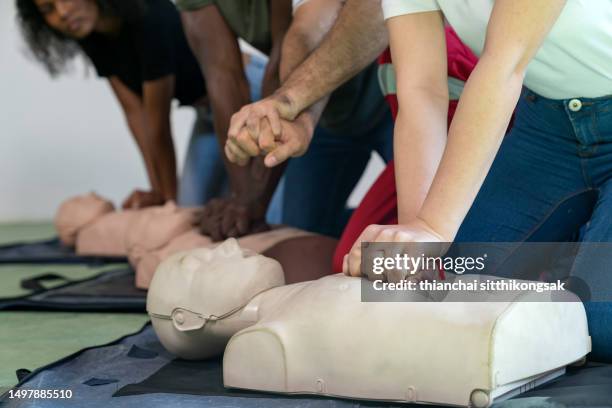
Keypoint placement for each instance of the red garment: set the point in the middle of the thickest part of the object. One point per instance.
(379, 206)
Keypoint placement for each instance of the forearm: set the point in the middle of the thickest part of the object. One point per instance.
(419, 142)
(356, 39)
(271, 80)
(301, 40)
(163, 158)
(280, 21)
(474, 138)
(252, 184)
(136, 123)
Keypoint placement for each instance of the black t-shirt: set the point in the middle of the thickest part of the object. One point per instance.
(149, 49)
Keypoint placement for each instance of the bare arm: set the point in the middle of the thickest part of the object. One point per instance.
(149, 121)
(311, 23)
(216, 48)
(280, 20)
(157, 98)
(420, 128)
(516, 31)
(357, 38)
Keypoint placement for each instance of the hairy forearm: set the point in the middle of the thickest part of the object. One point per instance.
(419, 142)
(356, 39)
(301, 40)
(474, 138)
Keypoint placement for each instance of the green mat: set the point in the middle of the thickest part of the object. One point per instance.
(25, 231)
(34, 339)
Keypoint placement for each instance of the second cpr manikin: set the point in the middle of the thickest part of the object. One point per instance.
(319, 338)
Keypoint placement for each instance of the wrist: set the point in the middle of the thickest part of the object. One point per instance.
(253, 203)
(307, 120)
(437, 227)
(285, 104)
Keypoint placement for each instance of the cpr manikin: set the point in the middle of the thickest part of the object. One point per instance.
(318, 337)
(90, 223)
(77, 213)
(132, 233)
(150, 235)
(194, 322)
(147, 263)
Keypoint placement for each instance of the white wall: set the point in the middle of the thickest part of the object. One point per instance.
(61, 137)
(67, 136)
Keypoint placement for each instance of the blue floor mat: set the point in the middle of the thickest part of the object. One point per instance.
(137, 371)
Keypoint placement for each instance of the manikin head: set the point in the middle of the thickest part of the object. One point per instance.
(195, 297)
(76, 213)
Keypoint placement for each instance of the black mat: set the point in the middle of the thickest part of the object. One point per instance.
(49, 251)
(589, 386)
(110, 291)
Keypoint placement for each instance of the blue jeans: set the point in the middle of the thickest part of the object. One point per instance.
(556, 151)
(204, 176)
(318, 184)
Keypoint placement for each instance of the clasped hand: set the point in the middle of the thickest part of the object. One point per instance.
(226, 217)
(267, 128)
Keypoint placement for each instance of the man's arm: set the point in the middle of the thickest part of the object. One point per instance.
(149, 123)
(216, 48)
(311, 22)
(356, 39)
(280, 20)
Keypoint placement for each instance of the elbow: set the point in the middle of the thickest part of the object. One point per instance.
(420, 94)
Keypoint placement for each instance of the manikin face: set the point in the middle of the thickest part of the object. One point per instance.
(73, 18)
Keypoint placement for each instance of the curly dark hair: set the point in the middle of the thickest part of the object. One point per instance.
(53, 49)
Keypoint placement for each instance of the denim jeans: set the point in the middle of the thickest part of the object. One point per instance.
(204, 176)
(557, 150)
(318, 184)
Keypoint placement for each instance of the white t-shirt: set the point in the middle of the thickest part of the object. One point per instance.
(575, 59)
